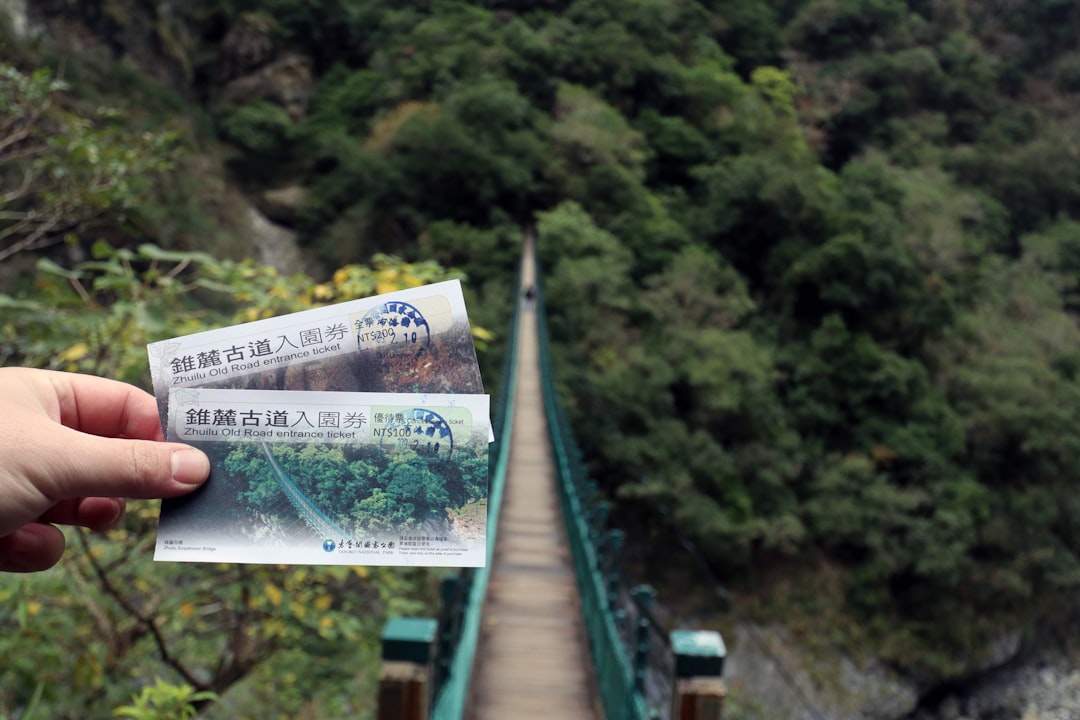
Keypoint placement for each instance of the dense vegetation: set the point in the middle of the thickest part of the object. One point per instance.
(811, 264)
(364, 490)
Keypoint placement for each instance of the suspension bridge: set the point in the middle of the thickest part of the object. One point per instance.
(321, 525)
(547, 628)
(532, 637)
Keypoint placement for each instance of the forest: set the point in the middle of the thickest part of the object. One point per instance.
(364, 491)
(812, 270)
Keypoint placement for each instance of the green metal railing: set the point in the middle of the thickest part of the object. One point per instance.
(463, 595)
(631, 657)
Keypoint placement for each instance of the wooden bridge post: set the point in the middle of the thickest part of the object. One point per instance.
(699, 669)
(407, 677)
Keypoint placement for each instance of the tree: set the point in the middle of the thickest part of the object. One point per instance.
(63, 174)
(587, 134)
(213, 628)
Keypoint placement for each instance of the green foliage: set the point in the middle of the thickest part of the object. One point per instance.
(264, 133)
(834, 28)
(598, 158)
(348, 99)
(69, 173)
(98, 316)
(458, 159)
(162, 701)
(750, 33)
(370, 489)
(331, 30)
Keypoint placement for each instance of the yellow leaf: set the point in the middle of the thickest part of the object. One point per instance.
(88, 672)
(274, 594)
(146, 511)
(33, 607)
(326, 622)
(251, 314)
(384, 131)
(482, 333)
(76, 352)
(187, 610)
(323, 291)
(361, 571)
(298, 608)
(883, 454)
(323, 602)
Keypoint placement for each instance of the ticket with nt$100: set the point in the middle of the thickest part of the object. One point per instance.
(331, 478)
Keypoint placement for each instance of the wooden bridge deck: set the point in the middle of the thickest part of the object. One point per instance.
(533, 659)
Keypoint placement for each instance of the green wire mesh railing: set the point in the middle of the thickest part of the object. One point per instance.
(463, 594)
(631, 655)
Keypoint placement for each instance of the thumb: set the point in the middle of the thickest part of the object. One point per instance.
(92, 466)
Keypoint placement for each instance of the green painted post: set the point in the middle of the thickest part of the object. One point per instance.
(613, 580)
(644, 596)
(699, 669)
(407, 677)
(449, 628)
(598, 521)
(611, 572)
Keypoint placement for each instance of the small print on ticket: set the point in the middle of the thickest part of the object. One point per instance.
(415, 340)
(331, 478)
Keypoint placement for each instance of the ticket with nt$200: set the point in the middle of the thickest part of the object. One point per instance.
(415, 341)
(331, 478)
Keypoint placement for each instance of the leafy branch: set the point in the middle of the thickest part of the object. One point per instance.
(146, 620)
(61, 174)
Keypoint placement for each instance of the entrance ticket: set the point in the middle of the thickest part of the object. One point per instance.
(415, 340)
(331, 478)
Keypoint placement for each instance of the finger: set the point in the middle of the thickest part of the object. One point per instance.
(90, 466)
(95, 513)
(31, 548)
(101, 406)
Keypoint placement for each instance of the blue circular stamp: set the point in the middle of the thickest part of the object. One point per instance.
(392, 324)
(425, 432)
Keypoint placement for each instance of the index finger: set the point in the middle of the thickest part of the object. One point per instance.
(105, 407)
(96, 513)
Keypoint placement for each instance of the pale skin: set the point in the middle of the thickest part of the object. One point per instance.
(72, 448)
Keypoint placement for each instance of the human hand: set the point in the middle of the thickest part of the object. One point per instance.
(72, 447)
